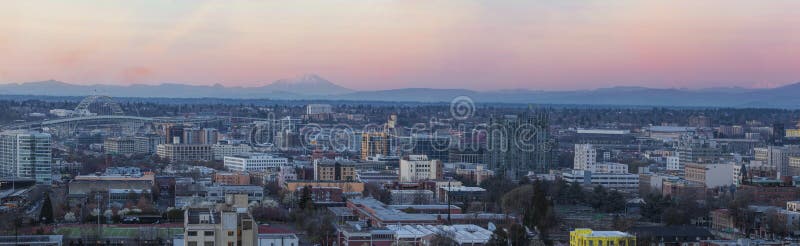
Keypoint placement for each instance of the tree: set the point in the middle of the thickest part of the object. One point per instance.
(47, 210)
(306, 202)
(377, 192)
(539, 215)
(518, 199)
(739, 209)
(574, 194)
(614, 202)
(442, 239)
(173, 215)
(517, 235)
(777, 224)
(597, 197)
(499, 238)
(496, 187)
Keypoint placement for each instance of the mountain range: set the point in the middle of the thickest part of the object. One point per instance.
(314, 87)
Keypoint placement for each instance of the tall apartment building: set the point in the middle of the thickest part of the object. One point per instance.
(415, 168)
(192, 136)
(185, 152)
(674, 163)
(585, 156)
(338, 170)
(173, 134)
(374, 143)
(209, 136)
(26, 154)
(518, 144)
(151, 142)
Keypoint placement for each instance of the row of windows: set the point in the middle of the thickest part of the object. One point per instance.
(205, 233)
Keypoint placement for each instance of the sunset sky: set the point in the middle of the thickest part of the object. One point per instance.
(381, 44)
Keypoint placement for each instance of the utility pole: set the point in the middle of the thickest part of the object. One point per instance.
(98, 197)
(447, 196)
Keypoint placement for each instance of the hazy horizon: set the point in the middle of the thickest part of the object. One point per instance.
(376, 45)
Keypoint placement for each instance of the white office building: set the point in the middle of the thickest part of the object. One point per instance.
(26, 154)
(608, 167)
(417, 167)
(254, 162)
(674, 163)
(318, 109)
(617, 181)
(585, 156)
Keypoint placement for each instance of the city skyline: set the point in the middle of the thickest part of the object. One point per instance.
(389, 45)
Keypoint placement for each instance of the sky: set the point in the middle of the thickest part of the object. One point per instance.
(382, 44)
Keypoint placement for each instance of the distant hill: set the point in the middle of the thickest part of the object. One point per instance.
(314, 87)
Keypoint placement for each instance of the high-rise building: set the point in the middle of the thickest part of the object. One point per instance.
(192, 136)
(518, 144)
(209, 136)
(173, 134)
(778, 134)
(26, 154)
(414, 168)
(374, 143)
(585, 156)
(435, 147)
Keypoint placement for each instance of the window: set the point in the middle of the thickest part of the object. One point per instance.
(192, 243)
(208, 243)
(230, 233)
(208, 233)
(192, 233)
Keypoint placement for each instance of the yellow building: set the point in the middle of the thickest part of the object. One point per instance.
(374, 143)
(346, 186)
(793, 133)
(587, 237)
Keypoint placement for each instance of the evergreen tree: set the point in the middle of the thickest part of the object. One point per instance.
(47, 210)
(306, 202)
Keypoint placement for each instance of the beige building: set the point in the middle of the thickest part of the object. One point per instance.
(125, 145)
(710, 175)
(346, 186)
(227, 225)
(334, 170)
(185, 152)
(415, 168)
